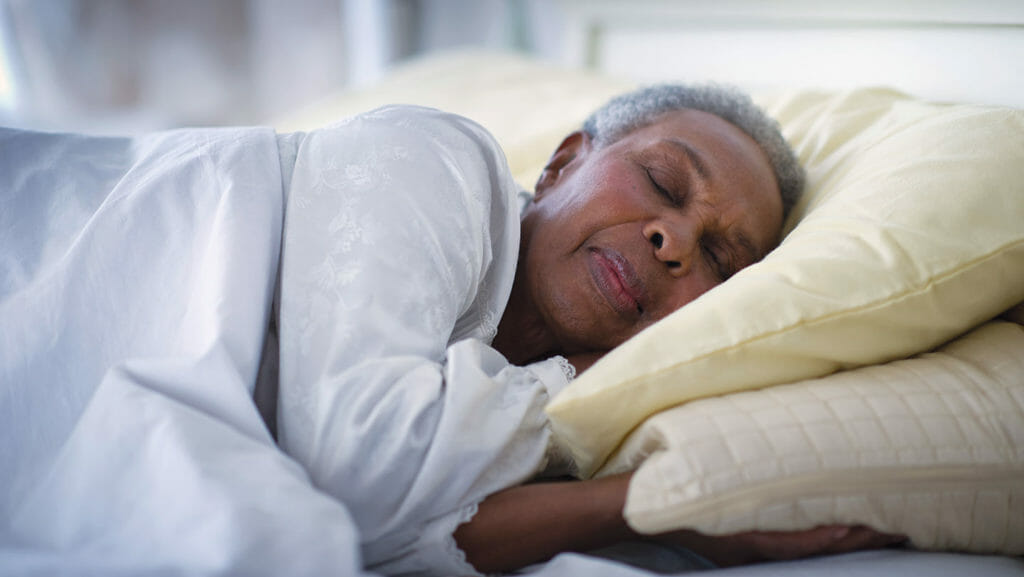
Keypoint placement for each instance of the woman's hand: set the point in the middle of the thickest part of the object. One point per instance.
(758, 546)
(534, 522)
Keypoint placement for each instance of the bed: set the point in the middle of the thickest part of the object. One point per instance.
(807, 395)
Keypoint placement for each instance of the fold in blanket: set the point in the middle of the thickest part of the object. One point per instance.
(136, 278)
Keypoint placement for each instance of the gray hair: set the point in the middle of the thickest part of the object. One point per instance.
(628, 112)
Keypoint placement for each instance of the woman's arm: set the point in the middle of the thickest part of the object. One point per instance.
(532, 523)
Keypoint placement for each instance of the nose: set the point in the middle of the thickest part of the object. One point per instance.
(675, 242)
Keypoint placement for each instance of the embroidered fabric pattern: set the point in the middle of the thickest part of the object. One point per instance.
(401, 240)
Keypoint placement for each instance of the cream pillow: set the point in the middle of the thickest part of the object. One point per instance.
(931, 448)
(910, 233)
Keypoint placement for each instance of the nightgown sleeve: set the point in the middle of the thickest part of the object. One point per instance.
(401, 237)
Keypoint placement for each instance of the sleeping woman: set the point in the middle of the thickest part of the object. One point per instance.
(423, 310)
(428, 310)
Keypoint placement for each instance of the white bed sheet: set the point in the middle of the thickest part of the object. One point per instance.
(863, 564)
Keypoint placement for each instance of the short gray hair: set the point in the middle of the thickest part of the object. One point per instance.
(628, 112)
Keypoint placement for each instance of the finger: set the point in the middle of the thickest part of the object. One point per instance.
(781, 545)
(861, 537)
(828, 539)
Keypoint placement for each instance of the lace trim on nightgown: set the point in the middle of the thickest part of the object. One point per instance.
(451, 547)
(567, 369)
(555, 461)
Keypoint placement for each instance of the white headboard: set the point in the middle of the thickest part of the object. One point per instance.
(956, 50)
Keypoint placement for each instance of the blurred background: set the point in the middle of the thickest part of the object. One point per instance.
(126, 66)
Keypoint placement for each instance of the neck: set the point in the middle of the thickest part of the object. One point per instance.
(522, 336)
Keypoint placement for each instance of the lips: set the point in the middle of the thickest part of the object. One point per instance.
(617, 281)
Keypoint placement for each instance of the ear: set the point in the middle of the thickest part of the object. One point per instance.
(573, 146)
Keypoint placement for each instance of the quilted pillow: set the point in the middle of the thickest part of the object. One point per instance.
(931, 448)
(910, 233)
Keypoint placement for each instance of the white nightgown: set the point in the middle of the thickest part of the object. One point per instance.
(401, 240)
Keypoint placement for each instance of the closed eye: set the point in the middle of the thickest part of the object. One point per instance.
(664, 192)
(719, 263)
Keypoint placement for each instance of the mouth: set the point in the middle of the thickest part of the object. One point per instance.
(617, 281)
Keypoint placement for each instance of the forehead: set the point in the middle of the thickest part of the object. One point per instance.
(719, 141)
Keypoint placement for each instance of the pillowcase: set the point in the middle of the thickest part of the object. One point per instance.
(931, 448)
(909, 234)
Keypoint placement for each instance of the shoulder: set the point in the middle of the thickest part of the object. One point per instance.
(444, 159)
(421, 121)
(421, 127)
(434, 182)
(439, 149)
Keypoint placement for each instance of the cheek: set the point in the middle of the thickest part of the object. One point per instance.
(605, 199)
(686, 292)
(593, 206)
(616, 183)
(574, 313)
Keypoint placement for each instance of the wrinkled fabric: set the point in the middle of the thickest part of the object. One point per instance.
(135, 282)
(137, 278)
(398, 260)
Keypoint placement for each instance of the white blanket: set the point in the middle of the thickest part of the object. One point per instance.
(135, 282)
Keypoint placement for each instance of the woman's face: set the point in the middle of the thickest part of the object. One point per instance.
(620, 236)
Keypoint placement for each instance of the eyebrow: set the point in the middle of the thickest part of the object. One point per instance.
(695, 157)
